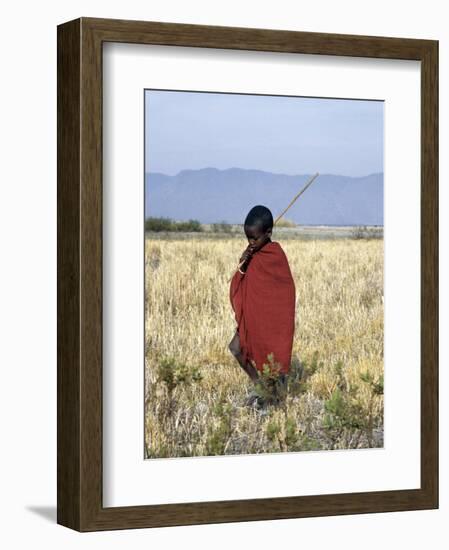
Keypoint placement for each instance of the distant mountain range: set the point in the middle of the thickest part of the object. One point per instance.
(211, 195)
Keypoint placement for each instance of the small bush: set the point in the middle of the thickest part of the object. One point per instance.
(377, 386)
(220, 431)
(272, 430)
(345, 414)
(173, 374)
(269, 386)
(282, 432)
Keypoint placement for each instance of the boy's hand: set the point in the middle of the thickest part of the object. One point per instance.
(247, 254)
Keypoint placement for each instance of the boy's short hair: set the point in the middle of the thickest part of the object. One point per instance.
(260, 215)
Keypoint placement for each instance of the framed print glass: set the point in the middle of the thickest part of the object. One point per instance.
(247, 274)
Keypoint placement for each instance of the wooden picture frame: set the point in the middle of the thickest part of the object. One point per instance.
(79, 261)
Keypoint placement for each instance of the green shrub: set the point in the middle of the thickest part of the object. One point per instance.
(172, 374)
(344, 413)
(272, 430)
(377, 386)
(268, 386)
(220, 432)
(291, 433)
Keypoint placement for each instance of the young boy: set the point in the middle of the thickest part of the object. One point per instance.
(262, 295)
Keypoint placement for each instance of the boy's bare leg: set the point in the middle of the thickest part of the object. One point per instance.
(234, 348)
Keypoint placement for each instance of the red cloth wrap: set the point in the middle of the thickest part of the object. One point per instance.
(263, 301)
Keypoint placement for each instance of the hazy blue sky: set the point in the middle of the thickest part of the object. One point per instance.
(288, 135)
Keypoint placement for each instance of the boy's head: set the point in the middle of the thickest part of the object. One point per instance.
(258, 226)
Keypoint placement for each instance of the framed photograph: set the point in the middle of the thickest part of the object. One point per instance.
(247, 274)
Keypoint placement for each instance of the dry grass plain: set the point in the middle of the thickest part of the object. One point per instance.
(195, 390)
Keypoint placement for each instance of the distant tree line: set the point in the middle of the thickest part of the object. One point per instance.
(221, 227)
(365, 232)
(167, 224)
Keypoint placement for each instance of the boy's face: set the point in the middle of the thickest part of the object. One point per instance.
(256, 236)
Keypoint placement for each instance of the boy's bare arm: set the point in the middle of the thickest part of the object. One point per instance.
(245, 258)
(247, 253)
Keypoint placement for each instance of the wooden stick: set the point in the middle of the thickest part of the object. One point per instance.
(312, 179)
(308, 184)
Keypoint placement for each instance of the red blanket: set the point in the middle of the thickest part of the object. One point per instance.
(263, 301)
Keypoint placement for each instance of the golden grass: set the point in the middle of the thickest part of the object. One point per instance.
(189, 321)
